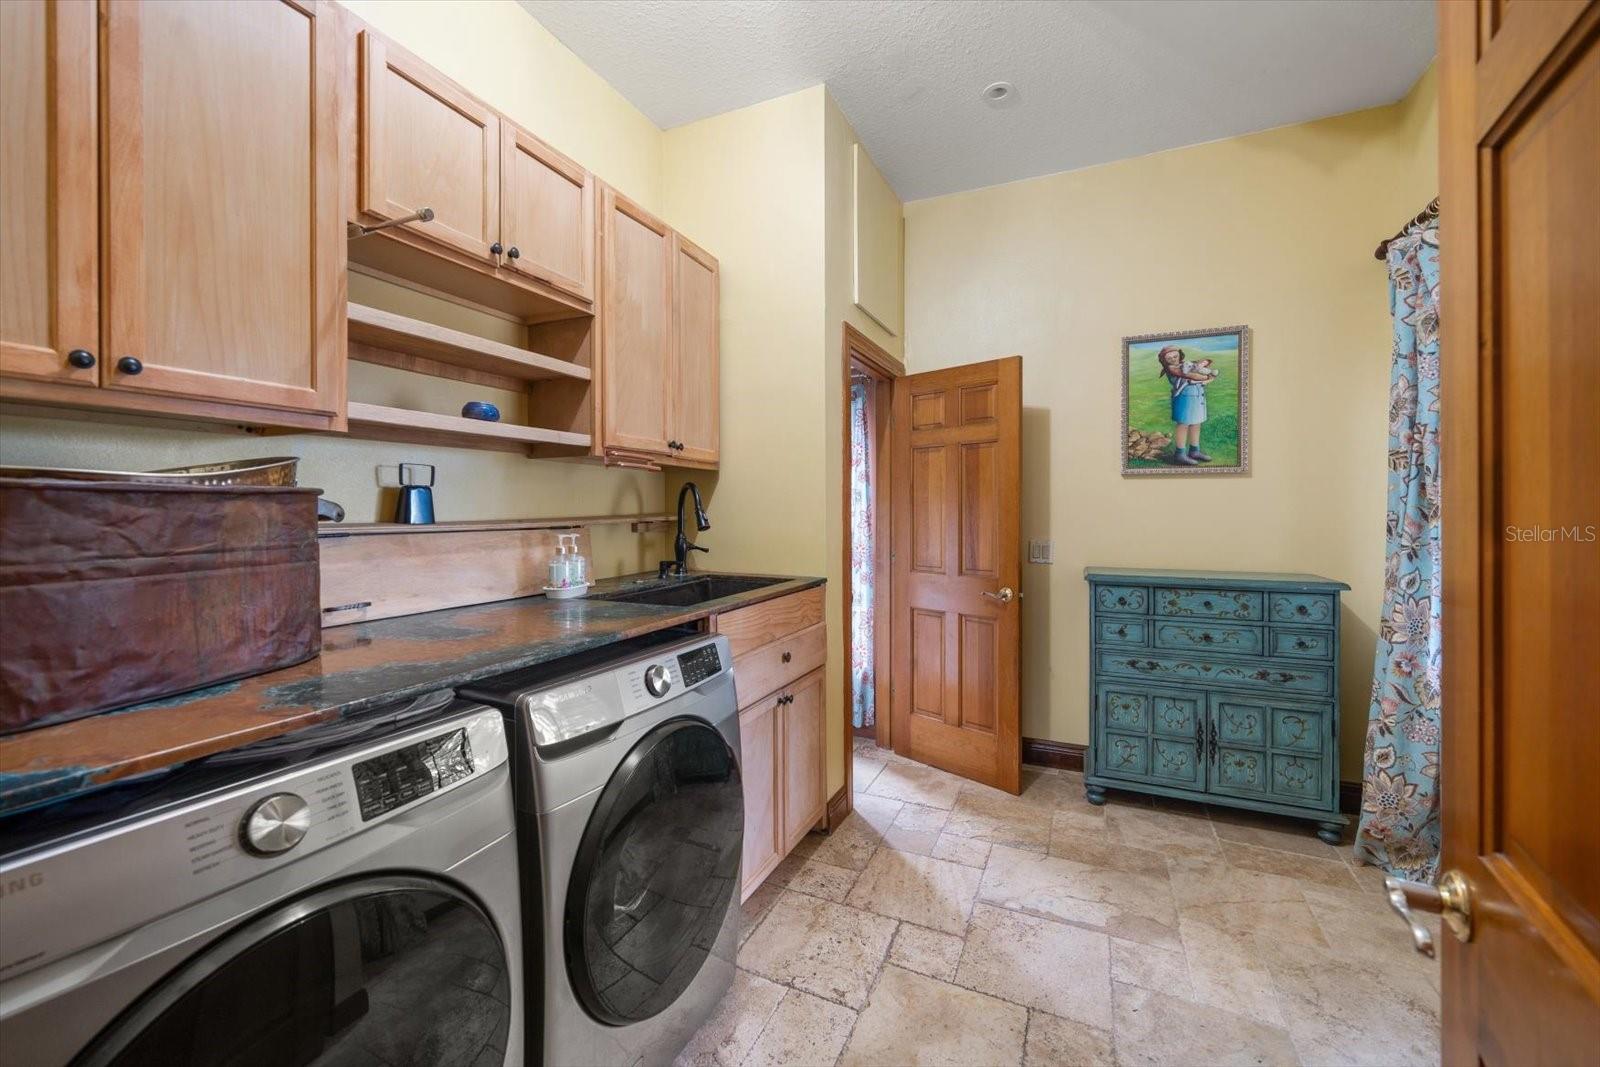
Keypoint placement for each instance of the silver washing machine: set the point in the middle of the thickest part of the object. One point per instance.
(344, 895)
(628, 790)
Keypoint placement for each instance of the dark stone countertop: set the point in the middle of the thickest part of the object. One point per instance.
(362, 666)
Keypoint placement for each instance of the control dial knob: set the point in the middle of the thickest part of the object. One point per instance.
(657, 680)
(275, 824)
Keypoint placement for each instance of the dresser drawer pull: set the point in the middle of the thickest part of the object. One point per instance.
(1300, 643)
(1122, 601)
(1302, 610)
(1206, 638)
(1208, 603)
(1122, 631)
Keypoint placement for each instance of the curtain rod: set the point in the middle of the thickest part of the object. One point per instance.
(1427, 214)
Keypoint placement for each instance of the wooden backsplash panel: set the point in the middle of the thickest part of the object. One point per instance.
(381, 575)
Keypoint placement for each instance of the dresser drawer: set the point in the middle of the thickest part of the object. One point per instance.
(1301, 644)
(1177, 670)
(1131, 632)
(1122, 599)
(747, 629)
(1209, 637)
(1310, 609)
(773, 666)
(1238, 604)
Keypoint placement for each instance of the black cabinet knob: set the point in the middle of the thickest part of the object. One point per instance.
(1208, 603)
(496, 248)
(1301, 610)
(513, 252)
(129, 365)
(787, 656)
(1122, 601)
(81, 358)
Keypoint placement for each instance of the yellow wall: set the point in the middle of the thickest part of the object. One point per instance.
(502, 54)
(1275, 230)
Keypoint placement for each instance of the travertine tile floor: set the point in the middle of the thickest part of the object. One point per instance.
(949, 923)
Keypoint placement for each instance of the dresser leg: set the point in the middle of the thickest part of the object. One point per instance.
(1094, 795)
(1331, 832)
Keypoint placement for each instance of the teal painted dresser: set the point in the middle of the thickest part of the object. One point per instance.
(1218, 687)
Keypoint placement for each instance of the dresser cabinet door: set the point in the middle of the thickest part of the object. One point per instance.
(1272, 751)
(225, 254)
(49, 286)
(427, 143)
(1145, 735)
(547, 213)
(805, 798)
(635, 328)
(760, 763)
(695, 330)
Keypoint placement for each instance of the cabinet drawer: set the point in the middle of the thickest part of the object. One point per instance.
(747, 629)
(1172, 669)
(1302, 644)
(1311, 609)
(1186, 636)
(1122, 599)
(1239, 604)
(1132, 632)
(771, 667)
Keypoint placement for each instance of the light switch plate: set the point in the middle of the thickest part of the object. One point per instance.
(1041, 551)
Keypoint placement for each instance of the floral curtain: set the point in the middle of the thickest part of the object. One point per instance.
(862, 711)
(1399, 829)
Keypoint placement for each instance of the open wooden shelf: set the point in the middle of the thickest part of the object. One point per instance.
(379, 423)
(639, 524)
(398, 333)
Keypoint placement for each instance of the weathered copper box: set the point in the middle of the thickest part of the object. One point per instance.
(115, 593)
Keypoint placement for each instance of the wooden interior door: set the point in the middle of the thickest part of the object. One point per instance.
(1520, 286)
(957, 453)
(225, 265)
(547, 213)
(427, 142)
(49, 283)
(695, 333)
(635, 326)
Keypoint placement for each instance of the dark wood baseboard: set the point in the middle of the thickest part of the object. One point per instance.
(1350, 797)
(1061, 755)
(838, 807)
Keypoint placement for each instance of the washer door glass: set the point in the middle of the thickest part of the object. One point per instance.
(391, 970)
(655, 873)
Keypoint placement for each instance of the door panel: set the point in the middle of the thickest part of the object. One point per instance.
(426, 142)
(956, 524)
(759, 762)
(1520, 134)
(49, 288)
(636, 310)
(225, 258)
(547, 206)
(805, 794)
(695, 332)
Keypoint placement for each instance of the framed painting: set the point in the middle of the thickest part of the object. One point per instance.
(1186, 402)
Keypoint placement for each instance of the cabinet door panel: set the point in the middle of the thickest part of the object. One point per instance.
(695, 330)
(636, 311)
(805, 798)
(759, 765)
(547, 213)
(426, 142)
(49, 291)
(225, 257)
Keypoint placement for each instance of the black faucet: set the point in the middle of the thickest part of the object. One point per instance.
(682, 546)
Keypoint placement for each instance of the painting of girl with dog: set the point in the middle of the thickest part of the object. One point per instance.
(1185, 402)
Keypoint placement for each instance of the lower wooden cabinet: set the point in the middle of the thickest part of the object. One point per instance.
(760, 764)
(805, 760)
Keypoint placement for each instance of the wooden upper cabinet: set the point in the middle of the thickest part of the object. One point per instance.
(224, 273)
(695, 334)
(49, 289)
(426, 143)
(546, 213)
(635, 326)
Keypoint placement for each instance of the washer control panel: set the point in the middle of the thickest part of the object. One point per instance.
(396, 778)
(698, 664)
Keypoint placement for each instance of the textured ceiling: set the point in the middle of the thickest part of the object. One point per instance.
(1096, 80)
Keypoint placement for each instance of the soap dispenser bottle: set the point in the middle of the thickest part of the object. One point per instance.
(577, 565)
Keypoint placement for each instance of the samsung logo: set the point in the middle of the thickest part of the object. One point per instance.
(12, 884)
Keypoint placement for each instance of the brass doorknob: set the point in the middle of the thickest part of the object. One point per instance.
(1451, 900)
(1005, 595)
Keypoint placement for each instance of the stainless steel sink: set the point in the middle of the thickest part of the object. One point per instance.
(686, 592)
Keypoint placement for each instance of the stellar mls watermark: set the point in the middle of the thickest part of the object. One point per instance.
(1552, 534)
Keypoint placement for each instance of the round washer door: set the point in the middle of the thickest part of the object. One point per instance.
(385, 969)
(655, 873)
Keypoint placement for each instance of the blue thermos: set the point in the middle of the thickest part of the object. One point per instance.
(415, 506)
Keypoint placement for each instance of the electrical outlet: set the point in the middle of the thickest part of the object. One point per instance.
(1041, 551)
